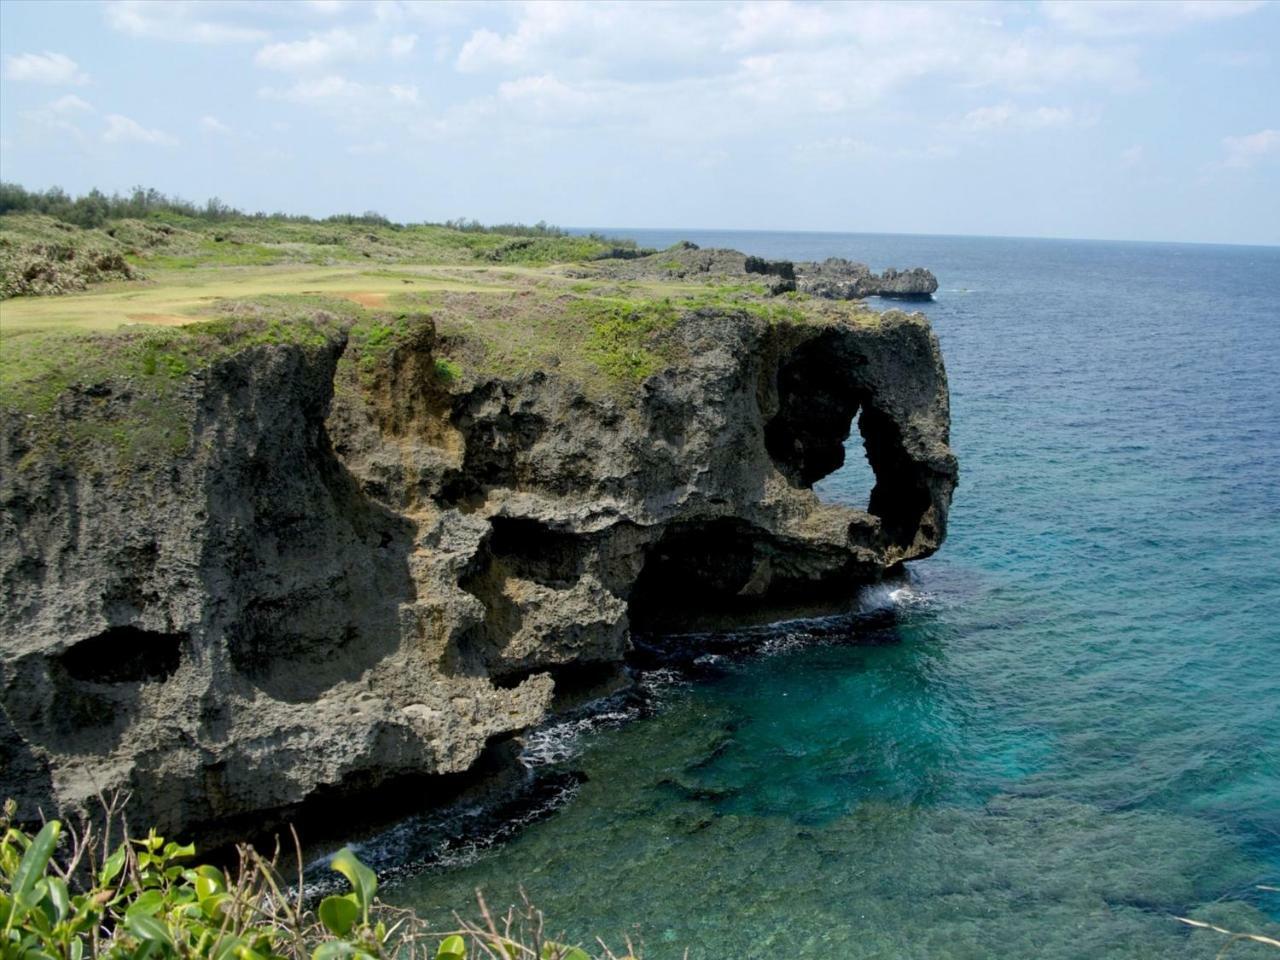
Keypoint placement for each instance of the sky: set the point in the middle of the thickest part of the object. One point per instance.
(1144, 121)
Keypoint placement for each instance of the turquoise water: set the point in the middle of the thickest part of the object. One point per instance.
(1051, 738)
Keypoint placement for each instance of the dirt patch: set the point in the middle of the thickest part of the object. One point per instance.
(161, 319)
(366, 299)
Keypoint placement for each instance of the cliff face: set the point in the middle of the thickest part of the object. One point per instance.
(355, 572)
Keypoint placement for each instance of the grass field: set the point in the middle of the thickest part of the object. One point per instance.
(501, 306)
(174, 297)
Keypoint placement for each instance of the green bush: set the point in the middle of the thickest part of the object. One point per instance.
(68, 894)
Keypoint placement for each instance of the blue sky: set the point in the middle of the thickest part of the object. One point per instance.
(1122, 120)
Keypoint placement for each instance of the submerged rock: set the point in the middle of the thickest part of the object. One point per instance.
(354, 572)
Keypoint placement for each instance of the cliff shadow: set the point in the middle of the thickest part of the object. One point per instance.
(307, 572)
(327, 587)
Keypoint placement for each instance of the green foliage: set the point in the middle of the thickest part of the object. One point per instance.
(363, 882)
(44, 256)
(339, 914)
(622, 331)
(539, 229)
(51, 243)
(71, 894)
(126, 393)
(447, 371)
(143, 899)
(95, 208)
(40, 254)
(751, 299)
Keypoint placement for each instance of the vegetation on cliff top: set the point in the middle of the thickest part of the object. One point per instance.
(51, 243)
(113, 364)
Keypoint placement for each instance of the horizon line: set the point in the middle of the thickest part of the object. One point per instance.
(913, 233)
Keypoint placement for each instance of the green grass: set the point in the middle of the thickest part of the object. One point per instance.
(110, 366)
(447, 371)
(122, 392)
(622, 334)
(167, 241)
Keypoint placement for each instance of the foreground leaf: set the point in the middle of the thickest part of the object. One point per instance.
(452, 948)
(146, 927)
(338, 914)
(32, 867)
(364, 883)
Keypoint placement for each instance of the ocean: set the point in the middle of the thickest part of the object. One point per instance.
(1049, 740)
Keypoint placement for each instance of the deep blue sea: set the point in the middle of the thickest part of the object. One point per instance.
(1051, 739)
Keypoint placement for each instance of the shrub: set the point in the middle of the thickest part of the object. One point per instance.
(69, 893)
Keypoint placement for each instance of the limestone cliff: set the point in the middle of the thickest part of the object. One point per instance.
(354, 571)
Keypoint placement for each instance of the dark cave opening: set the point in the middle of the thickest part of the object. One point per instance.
(727, 571)
(694, 566)
(531, 550)
(817, 401)
(124, 655)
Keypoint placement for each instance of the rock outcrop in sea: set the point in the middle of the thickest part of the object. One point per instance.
(839, 279)
(351, 573)
(833, 279)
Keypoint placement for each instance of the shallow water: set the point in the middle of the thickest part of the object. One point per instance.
(1061, 732)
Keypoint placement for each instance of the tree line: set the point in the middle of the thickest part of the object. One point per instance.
(96, 208)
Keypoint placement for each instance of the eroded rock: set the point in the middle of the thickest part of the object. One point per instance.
(838, 279)
(349, 577)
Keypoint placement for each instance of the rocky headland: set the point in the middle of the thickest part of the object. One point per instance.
(833, 279)
(298, 551)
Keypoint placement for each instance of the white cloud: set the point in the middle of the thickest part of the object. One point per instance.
(1120, 18)
(1235, 59)
(121, 129)
(211, 124)
(984, 118)
(1133, 156)
(47, 67)
(810, 57)
(1244, 152)
(317, 50)
(545, 97)
(403, 93)
(367, 149)
(848, 148)
(619, 39)
(60, 115)
(323, 90)
(70, 104)
(1024, 118)
(182, 21)
(326, 7)
(544, 87)
(402, 44)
